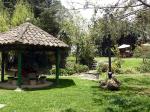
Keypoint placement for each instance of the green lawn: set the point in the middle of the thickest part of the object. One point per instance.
(78, 95)
(131, 62)
(127, 62)
(102, 59)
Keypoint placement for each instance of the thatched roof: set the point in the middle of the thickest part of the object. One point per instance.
(28, 34)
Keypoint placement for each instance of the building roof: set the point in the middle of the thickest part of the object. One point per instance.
(29, 34)
(124, 46)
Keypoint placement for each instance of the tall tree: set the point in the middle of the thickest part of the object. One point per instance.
(48, 18)
(142, 22)
(22, 12)
(4, 18)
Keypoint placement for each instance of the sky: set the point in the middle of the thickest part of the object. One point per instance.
(86, 13)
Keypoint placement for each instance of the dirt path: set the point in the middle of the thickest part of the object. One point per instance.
(90, 75)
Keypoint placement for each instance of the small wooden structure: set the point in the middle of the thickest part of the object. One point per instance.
(29, 37)
(125, 50)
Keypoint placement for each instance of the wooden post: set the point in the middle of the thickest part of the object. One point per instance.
(57, 65)
(109, 57)
(2, 66)
(19, 80)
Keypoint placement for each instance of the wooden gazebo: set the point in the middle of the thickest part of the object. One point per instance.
(29, 37)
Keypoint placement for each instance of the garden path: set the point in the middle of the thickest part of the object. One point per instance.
(90, 75)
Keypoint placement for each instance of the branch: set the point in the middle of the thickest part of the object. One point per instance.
(109, 7)
(129, 14)
(144, 3)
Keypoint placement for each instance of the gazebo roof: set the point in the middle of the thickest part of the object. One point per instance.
(28, 34)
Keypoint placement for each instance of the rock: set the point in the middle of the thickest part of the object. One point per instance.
(104, 87)
(116, 80)
(110, 84)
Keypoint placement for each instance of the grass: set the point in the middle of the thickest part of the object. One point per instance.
(78, 95)
(102, 59)
(128, 63)
(131, 62)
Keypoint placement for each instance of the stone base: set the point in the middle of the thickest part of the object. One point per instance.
(110, 84)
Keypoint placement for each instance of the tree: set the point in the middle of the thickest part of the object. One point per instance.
(22, 12)
(4, 26)
(49, 17)
(118, 29)
(67, 31)
(142, 21)
(4, 18)
(71, 28)
(144, 3)
(87, 50)
(44, 13)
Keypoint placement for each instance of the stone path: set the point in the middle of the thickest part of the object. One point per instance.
(90, 75)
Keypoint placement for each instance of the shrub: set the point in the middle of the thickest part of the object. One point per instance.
(53, 71)
(142, 52)
(145, 67)
(129, 71)
(99, 69)
(103, 67)
(62, 71)
(116, 69)
(80, 68)
(138, 52)
(116, 66)
(69, 70)
(118, 62)
(87, 51)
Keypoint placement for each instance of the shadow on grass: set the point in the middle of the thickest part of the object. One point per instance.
(69, 110)
(129, 80)
(97, 96)
(126, 99)
(63, 83)
(136, 90)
